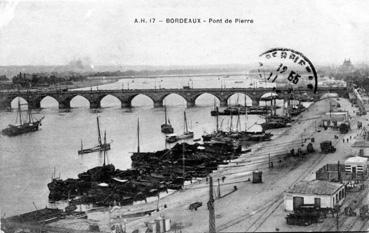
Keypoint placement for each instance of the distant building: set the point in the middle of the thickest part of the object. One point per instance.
(354, 168)
(5, 83)
(346, 67)
(323, 194)
(356, 165)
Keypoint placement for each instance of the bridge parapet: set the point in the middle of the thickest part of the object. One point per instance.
(34, 97)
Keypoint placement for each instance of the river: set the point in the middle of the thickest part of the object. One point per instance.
(28, 161)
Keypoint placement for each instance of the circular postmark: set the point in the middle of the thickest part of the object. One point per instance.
(288, 66)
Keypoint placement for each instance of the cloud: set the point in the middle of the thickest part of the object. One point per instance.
(7, 12)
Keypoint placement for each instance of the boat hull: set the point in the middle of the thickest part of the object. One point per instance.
(256, 110)
(14, 130)
(166, 128)
(103, 147)
(185, 136)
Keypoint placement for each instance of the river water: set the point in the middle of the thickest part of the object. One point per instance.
(27, 162)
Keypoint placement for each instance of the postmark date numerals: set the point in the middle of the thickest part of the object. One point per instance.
(292, 76)
(281, 68)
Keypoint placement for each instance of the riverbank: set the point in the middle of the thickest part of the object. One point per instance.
(239, 210)
(75, 85)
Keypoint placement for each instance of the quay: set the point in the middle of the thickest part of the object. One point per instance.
(64, 97)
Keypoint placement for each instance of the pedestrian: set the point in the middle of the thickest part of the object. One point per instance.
(223, 178)
(206, 180)
(350, 136)
(343, 140)
(347, 139)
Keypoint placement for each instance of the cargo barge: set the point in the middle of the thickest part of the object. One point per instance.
(151, 173)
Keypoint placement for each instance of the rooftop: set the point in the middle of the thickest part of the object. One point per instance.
(356, 159)
(319, 187)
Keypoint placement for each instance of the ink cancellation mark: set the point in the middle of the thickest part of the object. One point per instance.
(283, 63)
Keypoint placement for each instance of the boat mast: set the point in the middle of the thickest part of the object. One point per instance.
(98, 130)
(238, 120)
(104, 158)
(217, 123)
(104, 148)
(19, 112)
(183, 162)
(230, 125)
(245, 114)
(165, 111)
(29, 115)
(138, 135)
(289, 105)
(185, 121)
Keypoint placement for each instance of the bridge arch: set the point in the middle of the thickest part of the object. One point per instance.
(239, 98)
(268, 94)
(49, 101)
(79, 101)
(173, 99)
(110, 101)
(14, 102)
(263, 99)
(206, 99)
(141, 100)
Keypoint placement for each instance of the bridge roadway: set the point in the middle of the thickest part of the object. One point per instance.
(64, 97)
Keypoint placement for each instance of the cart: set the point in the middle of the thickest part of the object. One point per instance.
(195, 205)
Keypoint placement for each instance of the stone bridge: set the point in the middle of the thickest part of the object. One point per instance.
(34, 97)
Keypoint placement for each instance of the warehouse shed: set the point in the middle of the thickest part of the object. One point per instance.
(322, 194)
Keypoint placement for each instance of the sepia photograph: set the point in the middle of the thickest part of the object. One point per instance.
(184, 116)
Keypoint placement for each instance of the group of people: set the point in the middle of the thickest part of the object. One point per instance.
(343, 139)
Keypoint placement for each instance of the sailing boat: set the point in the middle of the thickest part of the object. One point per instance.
(166, 127)
(22, 126)
(274, 121)
(102, 146)
(186, 134)
(296, 109)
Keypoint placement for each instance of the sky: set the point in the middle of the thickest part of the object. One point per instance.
(54, 32)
